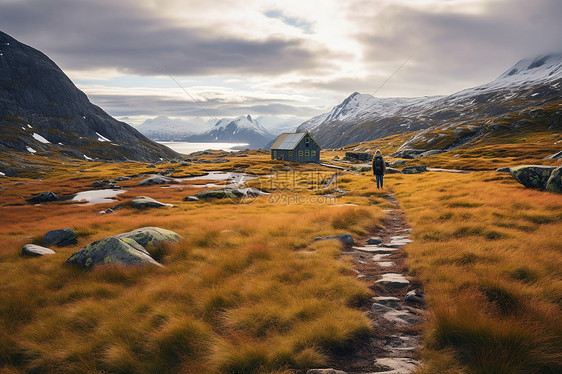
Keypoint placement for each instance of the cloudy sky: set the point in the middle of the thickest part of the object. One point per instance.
(289, 58)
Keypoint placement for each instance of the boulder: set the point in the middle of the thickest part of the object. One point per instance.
(36, 250)
(358, 156)
(60, 238)
(216, 194)
(190, 198)
(554, 183)
(43, 197)
(532, 176)
(346, 239)
(397, 162)
(144, 202)
(414, 169)
(127, 248)
(155, 180)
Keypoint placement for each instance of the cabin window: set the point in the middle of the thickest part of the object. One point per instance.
(306, 142)
(290, 153)
(313, 153)
(307, 153)
(300, 153)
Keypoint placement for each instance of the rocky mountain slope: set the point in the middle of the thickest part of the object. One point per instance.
(43, 112)
(531, 83)
(243, 129)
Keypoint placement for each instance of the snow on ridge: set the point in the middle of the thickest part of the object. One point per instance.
(41, 139)
(102, 138)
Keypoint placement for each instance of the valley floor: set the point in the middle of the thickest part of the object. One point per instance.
(248, 290)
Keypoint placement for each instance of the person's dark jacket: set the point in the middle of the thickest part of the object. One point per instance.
(379, 168)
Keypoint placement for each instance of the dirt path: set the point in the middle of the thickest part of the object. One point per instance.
(396, 311)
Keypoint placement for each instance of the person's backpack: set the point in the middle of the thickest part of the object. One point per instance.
(378, 165)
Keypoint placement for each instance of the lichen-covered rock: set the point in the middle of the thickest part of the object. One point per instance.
(393, 171)
(43, 197)
(144, 202)
(60, 238)
(150, 236)
(414, 169)
(111, 250)
(532, 176)
(128, 248)
(33, 250)
(554, 183)
(216, 194)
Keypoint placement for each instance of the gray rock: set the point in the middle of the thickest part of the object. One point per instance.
(374, 240)
(414, 169)
(222, 193)
(503, 170)
(387, 300)
(376, 249)
(190, 198)
(415, 297)
(155, 180)
(554, 183)
(399, 317)
(346, 239)
(43, 197)
(325, 371)
(36, 250)
(144, 202)
(105, 184)
(397, 163)
(358, 156)
(60, 238)
(393, 280)
(128, 248)
(532, 176)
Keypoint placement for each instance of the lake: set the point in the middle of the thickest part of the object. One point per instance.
(187, 148)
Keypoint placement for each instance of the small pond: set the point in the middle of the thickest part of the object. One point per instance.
(97, 196)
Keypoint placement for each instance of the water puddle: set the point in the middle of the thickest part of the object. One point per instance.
(97, 196)
(234, 180)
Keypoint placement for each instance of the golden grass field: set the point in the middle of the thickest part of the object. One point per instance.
(246, 290)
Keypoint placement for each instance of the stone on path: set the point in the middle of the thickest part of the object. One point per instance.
(60, 238)
(391, 365)
(400, 317)
(36, 250)
(375, 249)
(393, 280)
(415, 297)
(374, 241)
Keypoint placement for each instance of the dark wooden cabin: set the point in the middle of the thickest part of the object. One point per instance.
(296, 147)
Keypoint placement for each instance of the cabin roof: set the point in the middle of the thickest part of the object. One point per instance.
(288, 140)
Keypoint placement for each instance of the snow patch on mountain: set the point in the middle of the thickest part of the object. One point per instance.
(40, 139)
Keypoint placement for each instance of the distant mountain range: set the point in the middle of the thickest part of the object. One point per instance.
(252, 131)
(43, 112)
(529, 84)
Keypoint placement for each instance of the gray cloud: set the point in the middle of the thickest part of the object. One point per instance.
(122, 35)
(452, 49)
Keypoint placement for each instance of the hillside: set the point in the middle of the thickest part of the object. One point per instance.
(531, 83)
(43, 112)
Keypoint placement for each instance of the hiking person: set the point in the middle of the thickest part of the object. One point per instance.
(379, 168)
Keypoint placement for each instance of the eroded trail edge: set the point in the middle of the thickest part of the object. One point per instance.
(396, 310)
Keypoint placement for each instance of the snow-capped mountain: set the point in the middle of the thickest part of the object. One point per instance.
(164, 128)
(362, 117)
(243, 130)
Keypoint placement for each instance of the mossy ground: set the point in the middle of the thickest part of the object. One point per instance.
(246, 290)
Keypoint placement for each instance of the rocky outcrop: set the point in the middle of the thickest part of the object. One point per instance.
(358, 156)
(532, 176)
(60, 238)
(44, 112)
(230, 193)
(554, 183)
(145, 202)
(33, 250)
(127, 249)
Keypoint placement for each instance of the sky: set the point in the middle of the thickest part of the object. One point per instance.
(292, 59)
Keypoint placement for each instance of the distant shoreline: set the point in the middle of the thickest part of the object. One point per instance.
(190, 147)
